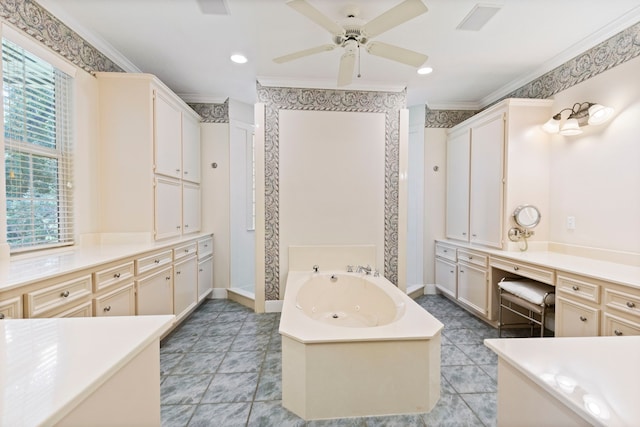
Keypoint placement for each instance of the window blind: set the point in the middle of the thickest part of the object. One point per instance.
(38, 157)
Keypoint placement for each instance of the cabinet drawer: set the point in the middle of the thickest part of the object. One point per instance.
(474, 258)
(614, 325)
(153, 261)
(535, 273)
(446, 251)
(184, 250)
(578, 288)
(576, 320)
(205, 247)
(110, 276)
(623, 302)
(120, 302)
(80, 310)
(39, 302)
(11, 308)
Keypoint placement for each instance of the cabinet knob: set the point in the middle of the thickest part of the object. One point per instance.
(178, 272)
(575, 287)
(630, 304)
(516, 268)
(65, 294)
(178, 227)
(177, 170)
(451, 272)
(116, 276)
(157, 261)
(464, 234)
(470, 257)
(445, 251)
(617, 332)
(461, 271)
(186, 172)
(474, 235)
(186, 250)
(107, 308)
(186, 226)
(583, 319)
(201, 270)
(167, 278)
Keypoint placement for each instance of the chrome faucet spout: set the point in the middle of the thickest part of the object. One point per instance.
(365, 270)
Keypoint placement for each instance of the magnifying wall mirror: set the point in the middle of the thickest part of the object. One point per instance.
(526, 217)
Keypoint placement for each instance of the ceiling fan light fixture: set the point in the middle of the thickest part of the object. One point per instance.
(238, 58)
(425, 70)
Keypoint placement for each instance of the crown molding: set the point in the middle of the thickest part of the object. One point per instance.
(198, 98)
(620, 24)
(455, 106)
(92, 38)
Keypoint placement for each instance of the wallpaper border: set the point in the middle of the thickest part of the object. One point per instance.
(612, 52)
(284, 98)
(212, 113)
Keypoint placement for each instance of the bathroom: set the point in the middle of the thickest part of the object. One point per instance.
(592, 178)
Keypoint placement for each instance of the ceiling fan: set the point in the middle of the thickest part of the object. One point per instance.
(354, 33)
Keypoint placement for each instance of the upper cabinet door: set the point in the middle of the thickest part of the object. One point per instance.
(190, 148)
(167, 137)
(487, 181)
(457, 217)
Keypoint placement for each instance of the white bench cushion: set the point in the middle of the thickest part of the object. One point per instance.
(529, 290)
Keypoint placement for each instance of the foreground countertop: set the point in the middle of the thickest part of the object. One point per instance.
(596, 377)
(624, 274)
(49, 366)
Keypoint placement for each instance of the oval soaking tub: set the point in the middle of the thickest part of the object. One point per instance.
(355, 345)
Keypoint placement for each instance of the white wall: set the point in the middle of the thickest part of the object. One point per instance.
(214, 186)
(595, 177)
(332, 172)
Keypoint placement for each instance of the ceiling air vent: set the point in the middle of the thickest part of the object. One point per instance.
(214, 7)
(478, 17)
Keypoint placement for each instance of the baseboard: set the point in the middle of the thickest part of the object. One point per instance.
(414, 291)
(430, 289)
(218, 293)
(273, 306)
(242, 297)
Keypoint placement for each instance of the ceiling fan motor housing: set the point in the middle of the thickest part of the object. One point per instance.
(353, 30)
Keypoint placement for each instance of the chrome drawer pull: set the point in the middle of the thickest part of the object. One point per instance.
(575, 288)
(107, 308)
(617, 332)
(116, 276)
(65, 294)
(583, 319)
(630, 304)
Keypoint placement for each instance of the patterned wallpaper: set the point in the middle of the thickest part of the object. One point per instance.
(212, 113)
(614, 51)
(282, 98)
(36, 21)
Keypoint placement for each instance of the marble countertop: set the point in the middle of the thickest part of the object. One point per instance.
(596, 377)
(49, 366)
(22, 270)
(623, 274)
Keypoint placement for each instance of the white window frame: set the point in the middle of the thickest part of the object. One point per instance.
(63, 153)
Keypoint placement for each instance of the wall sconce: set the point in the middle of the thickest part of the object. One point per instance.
(582, 114)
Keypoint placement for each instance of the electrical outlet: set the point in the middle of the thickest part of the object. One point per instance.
(571, 223)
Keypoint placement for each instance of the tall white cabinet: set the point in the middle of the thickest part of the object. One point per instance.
(496, 161)
(150, 158)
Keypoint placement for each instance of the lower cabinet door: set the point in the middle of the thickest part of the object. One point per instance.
(205, 277)
(473, 287)
(155, 293)
(185, 286)
(576, 320)
(120, 302)
(446, 277)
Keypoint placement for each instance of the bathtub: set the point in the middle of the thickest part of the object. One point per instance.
(355, 345)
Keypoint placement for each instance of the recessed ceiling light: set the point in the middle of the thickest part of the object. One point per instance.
(425, 70)
(238, 58)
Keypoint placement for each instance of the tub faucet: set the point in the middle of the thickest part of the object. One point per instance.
(366, 270)
(316, 268)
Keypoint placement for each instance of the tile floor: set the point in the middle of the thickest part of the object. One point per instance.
(222, 367)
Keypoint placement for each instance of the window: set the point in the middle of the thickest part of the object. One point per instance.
(37, 150)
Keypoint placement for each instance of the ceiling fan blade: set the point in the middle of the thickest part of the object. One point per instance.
(303, 53)
(345, 72)
(396, 53)
(395, 16)
(301, 6)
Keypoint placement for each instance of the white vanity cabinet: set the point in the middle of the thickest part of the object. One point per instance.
(154, 283)
(61, 297)
(11, 308)
(578, 310)
(205, 267)
(148, 137)
(190, 208)
(494, 161)
(446, 270)
(473, 281)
